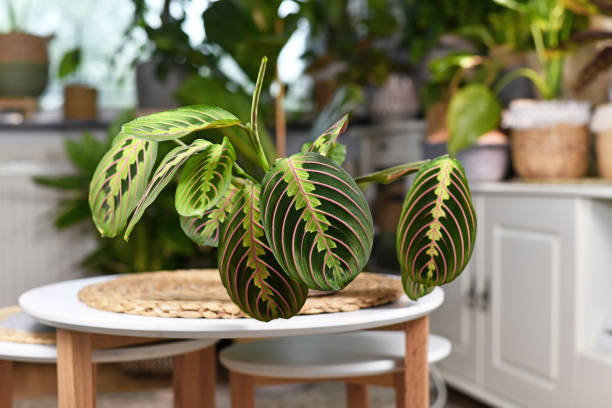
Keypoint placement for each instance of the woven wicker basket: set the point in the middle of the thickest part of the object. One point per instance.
(603, 149)
(561, 151)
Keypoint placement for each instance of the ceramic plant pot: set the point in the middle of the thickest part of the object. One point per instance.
(396, 99)
(549, 139)
(80, 103)
(24, 64)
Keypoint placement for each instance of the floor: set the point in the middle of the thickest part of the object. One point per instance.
(35, 388)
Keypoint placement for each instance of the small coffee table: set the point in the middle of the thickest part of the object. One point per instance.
(81, 329)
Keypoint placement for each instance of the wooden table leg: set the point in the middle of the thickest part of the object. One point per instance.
(416, 372)
(242, 392)
(6, 383)
(357, 396)
(195, 377)
(76, 386)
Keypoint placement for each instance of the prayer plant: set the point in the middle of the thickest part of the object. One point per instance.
(304, 225)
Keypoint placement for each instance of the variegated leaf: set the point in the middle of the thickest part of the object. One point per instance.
(204, 230)
(437, 228)
(176, 123)
(317, 220)
(327, 144)
(205, 179)
(163, 175)
(253, 278)
(415, 290)
(119, 182)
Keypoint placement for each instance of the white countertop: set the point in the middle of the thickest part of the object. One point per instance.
(588, 188)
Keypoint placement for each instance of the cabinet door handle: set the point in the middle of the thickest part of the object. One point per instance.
(485, 297)
(472, 294)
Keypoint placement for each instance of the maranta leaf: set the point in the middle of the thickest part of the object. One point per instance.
(327, 144)
(205, 179)
(253, 278)
(437, 227)
(163, 175)
(176, 123)
(119, 182)
(317, 221)
(204, 230)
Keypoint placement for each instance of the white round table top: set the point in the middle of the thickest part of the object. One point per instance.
(357, 354)
(58, 305)
(47, 353)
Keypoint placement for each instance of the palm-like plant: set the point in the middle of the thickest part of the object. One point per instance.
(305, 224)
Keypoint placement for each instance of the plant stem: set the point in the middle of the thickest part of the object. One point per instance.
(532, 74)
(179, 142)
(241, 173)
(253, 126)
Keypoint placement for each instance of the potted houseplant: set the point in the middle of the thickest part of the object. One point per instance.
(470, 117)
(24, 61)
(79, 99)
(304, 225)
(549, 138)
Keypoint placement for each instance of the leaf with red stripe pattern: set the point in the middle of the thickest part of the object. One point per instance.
(437, 228)
(205, 179)
(327, 144)
(119, 182)
(179, 122)
(317, 220)
(163, 175)
(253, 278)
(415, 290)
(204, 230)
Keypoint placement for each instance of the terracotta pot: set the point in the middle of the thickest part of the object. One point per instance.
(80, 103)
(24, 64)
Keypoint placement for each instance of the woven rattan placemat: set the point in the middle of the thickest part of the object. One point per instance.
(17, 327)
(200, 293)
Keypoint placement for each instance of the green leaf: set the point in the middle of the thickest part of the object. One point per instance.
(205, 179)
(437, 227)
(62, 182)
(197, 89)
(70, 63)
(163, 175)
(327, 144)
(86, 152)
(415, 290)
(473, 111)
(317, 220)
(204, 230)
(176, 123)
(391, 174)
(119, 182)
(253, 278)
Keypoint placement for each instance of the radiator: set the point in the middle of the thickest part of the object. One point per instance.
(32, 251)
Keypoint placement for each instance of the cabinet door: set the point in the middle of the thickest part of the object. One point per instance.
(529, 264)
(456, 319)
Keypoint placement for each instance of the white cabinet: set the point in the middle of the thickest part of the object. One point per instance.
(510, 315)
(529, 261)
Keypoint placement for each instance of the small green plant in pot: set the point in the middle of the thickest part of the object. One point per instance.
(304, 225)
(472, 115)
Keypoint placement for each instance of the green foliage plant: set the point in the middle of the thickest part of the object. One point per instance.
(157, 241)
(304, 225)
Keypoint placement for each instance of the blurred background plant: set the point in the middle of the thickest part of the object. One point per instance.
(157, 241)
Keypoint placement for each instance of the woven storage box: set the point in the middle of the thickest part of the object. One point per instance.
(601, 125)
(560, 151)
(603, 148)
